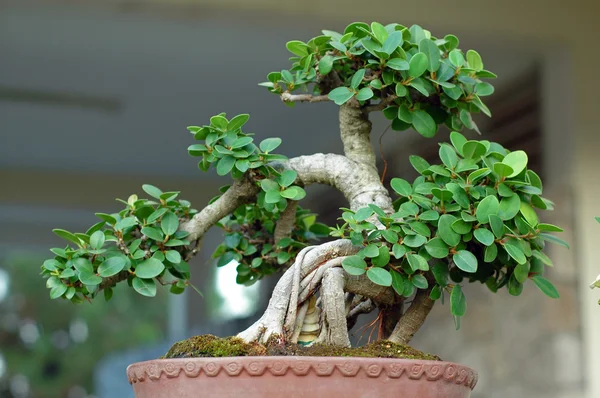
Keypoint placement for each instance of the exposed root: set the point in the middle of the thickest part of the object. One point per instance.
(280, 315)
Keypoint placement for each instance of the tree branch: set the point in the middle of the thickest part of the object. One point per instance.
(413, 319)
(242, 191)
(355, 131)
(288, 97)
(286, 223)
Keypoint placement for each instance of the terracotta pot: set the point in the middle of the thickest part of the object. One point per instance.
(314, 377)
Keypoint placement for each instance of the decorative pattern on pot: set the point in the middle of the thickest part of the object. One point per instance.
(324, 367)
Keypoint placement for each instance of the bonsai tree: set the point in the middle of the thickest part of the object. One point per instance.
(396, 250)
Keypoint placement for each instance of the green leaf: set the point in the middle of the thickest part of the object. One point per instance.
(269, 185)
(491, 252)
(529, 214)
(459, 195)
(149, 268)
(545, 286)
(97, 240)
(325, 65)
(414, 240)
(153, 233)
(364, 94)
(446, 232)
(461, 227)
(398, 64)
(357, 78)
(112, 266)
(502, 169)
(298, 48)
(152, 191)
(474, 60)
(169, 223)
(401, 186)
(68, 236)
(436, 293)
(107, 217)
(398, 281)
(393, 41)
(429, 215)
(509, 207)
(363, 213)
(473, 150)
(237, 122)
(380, 276)
(515, 252)
(340, 95)
(419, 164)
(458, 301)
(497, 226)
(419, 281)
(272, 197)
(145, 287)
(514, 287)
(58, 291)
(390, 236)
(287, 178)
(465, 260)
(418, 65)
(549, 228)
(398, 250)
(521, 272)
(417, 262)
(477, 174)
(379, 32)
(89, 278)
(269, 144)
(437, 248)
(429, 48)
(371, 250)
(516, 160)
(173, 256)
(82, 265)
(410, 208)
(484, 236)
(554, 239)
(458, 141)
(294, 193)
(424, 123)
(456, 58)
(225, 164)
(448, 156)
(383, 258)
(354, 265)
(489, 205)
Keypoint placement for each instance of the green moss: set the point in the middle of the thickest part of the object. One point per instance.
(212, 346)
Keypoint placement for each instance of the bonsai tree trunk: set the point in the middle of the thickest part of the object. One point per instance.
(317, 268)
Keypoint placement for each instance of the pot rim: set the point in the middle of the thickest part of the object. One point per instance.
(256, 366)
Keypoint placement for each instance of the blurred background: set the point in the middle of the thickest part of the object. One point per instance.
(95, 96)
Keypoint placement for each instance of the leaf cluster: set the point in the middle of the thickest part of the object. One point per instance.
(249, 241)
(143, 240)
(426, 81)
(471, 218)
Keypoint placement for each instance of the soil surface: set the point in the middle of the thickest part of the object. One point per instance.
(213, 346)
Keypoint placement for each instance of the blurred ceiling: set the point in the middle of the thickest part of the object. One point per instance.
(127, 82)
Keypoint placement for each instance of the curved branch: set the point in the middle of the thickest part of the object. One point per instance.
(242, 191)
(358, 182)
